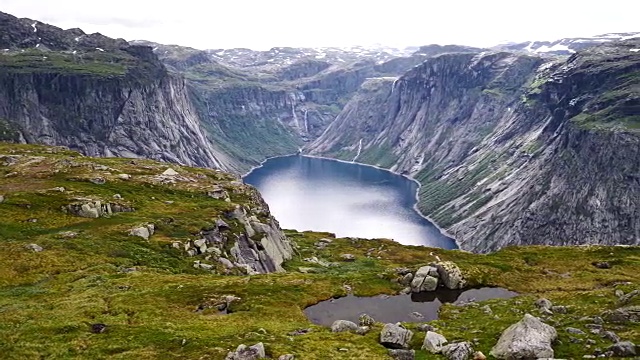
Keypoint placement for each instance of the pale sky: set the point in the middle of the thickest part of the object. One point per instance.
(262, 24)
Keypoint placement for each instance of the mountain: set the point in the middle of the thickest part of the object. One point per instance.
(510, 148)
(566, 46)
(257, 104)
(99, 95)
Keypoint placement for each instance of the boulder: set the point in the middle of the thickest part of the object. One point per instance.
(601, 264)
(611, 336)
(623, 349)
(98, 328)
(124, 176)
(343, 325)
(450, 275)
(366, 320)
(425, 279)
(458, 351)
(543, 304)
(286, 357)
(402, 354)
(625, 299)
(144, 231)
(559, 309)
(170, 172)
(34, 247)
(406, 279)
(433, 342)
(395, 336)
(426, 327)
(478, 355)
(226, 263)
(529, 338)
(629, 314)
(1, 199)
(363, 330)
(575, 331)
(244, 352)
(348, 257)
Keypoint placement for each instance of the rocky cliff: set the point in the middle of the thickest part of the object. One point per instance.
(510, 149)
(98, 95)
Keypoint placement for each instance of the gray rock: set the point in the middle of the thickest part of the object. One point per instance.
(226, 263)
(487, 310)
(450, 275)
(559, 309)
(623, 349)
(1, 199)
(402, 271)
(34, 247)
(422, 281)
(170, 172)
(325, 240)
(363, 330)
(543, 304)
(529, 338)
(433, 342)
(618, 293)
(348, 257)
(141, 231)
(611, 336)
(426, 327)
(343, 325)
(395, 336)
(458, 351)
(286, 357)
(575, 331)
(406, 279)
(625, 299)
(124, 176)
(402, 354)
(601, 264)
(366, 320)
(98, 180)
(244, 352)
(623, 315)
(222, 225)
(405, 291)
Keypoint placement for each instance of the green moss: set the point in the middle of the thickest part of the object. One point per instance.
(98, 63)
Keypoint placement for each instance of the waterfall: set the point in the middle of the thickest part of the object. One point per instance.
(359, 150)
(306, 122)
(393, 87)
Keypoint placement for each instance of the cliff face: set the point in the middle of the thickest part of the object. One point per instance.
(509, 150)
(101, 96)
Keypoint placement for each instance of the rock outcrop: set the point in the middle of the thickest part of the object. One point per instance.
(395, 336)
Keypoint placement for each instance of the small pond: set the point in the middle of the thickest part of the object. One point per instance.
(419, 307)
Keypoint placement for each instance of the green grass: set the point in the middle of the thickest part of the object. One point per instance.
(100, 64)
(49, 299)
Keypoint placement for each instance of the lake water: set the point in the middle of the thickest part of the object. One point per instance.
(347, 199)
(405, 308)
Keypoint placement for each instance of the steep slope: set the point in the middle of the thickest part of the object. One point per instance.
(124, 209)
(508, 151)
(98, 95)
(257, 104)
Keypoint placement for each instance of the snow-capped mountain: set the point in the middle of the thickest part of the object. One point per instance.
(565, 46)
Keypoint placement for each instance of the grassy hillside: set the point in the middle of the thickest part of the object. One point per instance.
(156, 305)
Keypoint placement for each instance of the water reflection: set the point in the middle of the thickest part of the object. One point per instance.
(306, 193)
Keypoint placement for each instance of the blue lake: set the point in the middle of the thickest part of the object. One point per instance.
(347, 199)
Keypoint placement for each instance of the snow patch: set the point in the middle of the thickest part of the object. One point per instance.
(557, 47)
(35, 29)
(100, 49)
(77, 39)
(155, 48)
(634, 50)
(37, 46)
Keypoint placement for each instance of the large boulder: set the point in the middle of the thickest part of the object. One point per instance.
(144, 231)
(395, 336)
(343, 325)
(433, 342)
(244, 352)
(450, 275)
(425, 279)
(623, 349)
(529, 338)
(458, 351)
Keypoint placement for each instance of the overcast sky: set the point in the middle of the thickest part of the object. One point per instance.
(262, 24)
